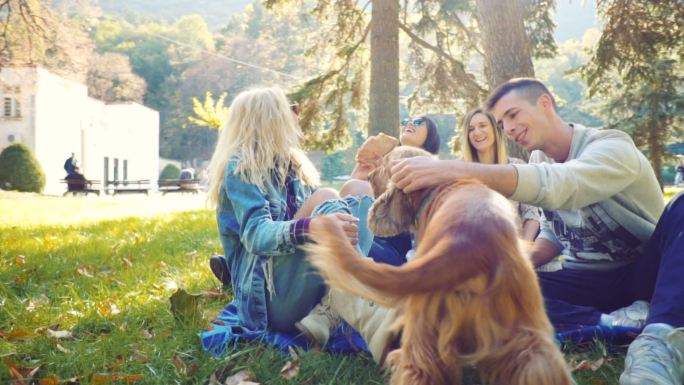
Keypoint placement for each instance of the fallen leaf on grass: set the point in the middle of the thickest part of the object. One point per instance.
(61, 348)
(16, 334)
(243, 377)
(140, 356)
(182, 368)
(75, 313)
(184, 305)
(19, 260)
(43, 329)
(127, 262)
(107, 308)
(103, 378)
(132, 378)
(146, 335)
(49, 380)
(83, 270)
(290, 370)
(589, 365)
(219, 375)
(59, 334)
(19, 375)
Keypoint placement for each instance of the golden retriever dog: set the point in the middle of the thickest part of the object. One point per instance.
(469, 296)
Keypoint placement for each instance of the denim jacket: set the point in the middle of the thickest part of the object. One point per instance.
(252, 228)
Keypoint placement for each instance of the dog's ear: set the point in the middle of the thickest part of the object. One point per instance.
(391, 214)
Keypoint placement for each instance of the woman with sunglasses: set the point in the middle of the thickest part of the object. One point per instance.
(482, 142)
(422, 133)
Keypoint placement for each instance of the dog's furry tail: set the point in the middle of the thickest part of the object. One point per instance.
(343, 268)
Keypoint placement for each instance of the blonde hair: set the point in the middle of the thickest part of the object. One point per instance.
(468, 150)
(263, 133)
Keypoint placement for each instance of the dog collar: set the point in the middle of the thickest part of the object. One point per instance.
(422, 205)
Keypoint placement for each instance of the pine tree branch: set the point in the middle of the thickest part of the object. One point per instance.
(471, 38)
(462, 74)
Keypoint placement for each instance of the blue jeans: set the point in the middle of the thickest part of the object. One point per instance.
(297, 285)
(579, 297)
(391, 250)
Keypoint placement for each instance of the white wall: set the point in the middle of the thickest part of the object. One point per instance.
(59, 118)
(131, 132)
(59, 107)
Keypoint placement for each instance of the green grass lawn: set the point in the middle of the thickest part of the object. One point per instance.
(87, 301)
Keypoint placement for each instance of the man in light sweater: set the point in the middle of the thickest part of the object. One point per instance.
(601, 203)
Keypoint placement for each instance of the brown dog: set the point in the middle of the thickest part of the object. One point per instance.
(470, 296)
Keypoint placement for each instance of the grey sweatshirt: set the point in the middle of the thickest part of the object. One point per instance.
(601, 205)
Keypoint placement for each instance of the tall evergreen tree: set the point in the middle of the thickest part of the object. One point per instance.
(640, 53)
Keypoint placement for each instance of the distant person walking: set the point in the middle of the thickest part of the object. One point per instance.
(679, 175)
(70, 164)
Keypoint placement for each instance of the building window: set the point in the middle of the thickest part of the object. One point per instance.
(11, 106)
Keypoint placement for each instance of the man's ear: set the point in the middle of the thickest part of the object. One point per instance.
(546, 102)
(391, 214)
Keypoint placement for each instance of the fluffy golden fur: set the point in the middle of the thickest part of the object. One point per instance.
(469, 296)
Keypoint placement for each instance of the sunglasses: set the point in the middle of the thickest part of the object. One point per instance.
(416, 122)
(295, 108)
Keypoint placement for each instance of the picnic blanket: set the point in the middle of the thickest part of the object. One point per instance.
(225, 331)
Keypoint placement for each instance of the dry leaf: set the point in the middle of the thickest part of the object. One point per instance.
(181, 368)
(219, 375)
(20, 376)
(59, 333)
(31, 307)
(290, 370)
(75, 313)
(146, 335)
(16, 334)
(127, 262)
(62, 348)
(49, 380)
(19, 260)
(107, 308)
(184, 305)
(102, 378)
(240, 378)
(83, 270)
(140, 356)
(132, 378)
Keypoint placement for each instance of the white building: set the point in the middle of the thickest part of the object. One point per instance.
(55, 117)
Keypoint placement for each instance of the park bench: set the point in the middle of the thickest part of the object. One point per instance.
(128, 186)
(179, 185)
(81, 186)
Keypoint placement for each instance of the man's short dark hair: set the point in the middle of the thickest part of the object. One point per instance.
(529, 88)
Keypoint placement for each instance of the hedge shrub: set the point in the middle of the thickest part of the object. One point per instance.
(170, 172)
(20, 170)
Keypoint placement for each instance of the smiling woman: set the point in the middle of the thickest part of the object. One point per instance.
(483, 142)
(421, 133)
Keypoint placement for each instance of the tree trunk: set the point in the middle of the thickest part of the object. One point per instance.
(384, 79)
(506, 46)
(656, 150)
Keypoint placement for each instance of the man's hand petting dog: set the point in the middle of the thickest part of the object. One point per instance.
(420, 172)
(351, 230)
